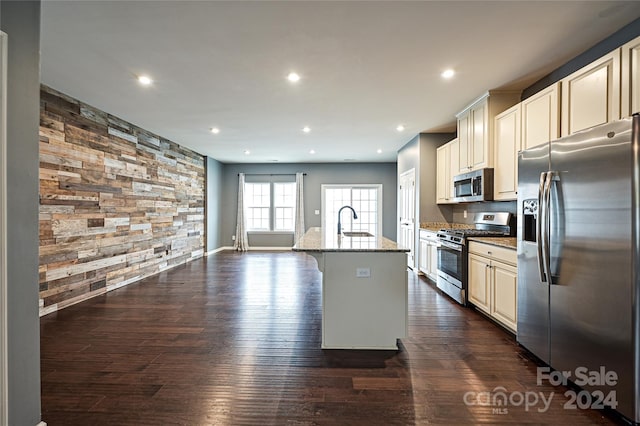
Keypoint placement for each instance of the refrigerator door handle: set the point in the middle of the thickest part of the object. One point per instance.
(546, 258)
(539, 224)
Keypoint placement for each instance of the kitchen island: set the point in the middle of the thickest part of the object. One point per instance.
(364, 289)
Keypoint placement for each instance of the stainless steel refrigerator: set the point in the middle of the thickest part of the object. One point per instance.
(578, 262)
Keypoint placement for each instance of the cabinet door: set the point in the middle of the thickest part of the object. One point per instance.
(507, 141)
(504, 303)
(591, 95)
(464, 141)
(454, 165)
(479, 143)
(423, 258)
(433, 261)
(443, 174)
(630, 90)
(479, 278)
(540, 117)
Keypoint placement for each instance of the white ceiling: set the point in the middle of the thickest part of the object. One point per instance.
(365, 66)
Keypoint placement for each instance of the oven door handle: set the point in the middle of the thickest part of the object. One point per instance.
(455, 247)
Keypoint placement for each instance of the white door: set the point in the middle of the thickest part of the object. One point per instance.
(407, 213)
(366, 200)
(3, 231)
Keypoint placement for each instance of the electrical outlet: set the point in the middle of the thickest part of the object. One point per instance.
(233, 238)
(464, 213)
(363, 272)
(316, 212)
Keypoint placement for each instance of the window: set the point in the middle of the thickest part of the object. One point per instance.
(270, 206)
(284, 202)
(366, 201)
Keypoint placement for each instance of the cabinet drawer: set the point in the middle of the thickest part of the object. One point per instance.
(425, 234)
(499, 253)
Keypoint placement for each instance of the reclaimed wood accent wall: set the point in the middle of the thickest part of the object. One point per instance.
(117, 203)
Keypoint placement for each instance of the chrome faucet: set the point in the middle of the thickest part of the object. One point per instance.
(355, 216)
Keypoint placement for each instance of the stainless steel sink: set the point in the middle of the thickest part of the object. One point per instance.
(357, 234)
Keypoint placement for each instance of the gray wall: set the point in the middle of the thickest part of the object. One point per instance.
(617, 39)
(317, 174)
(430, 211)
(21, 21)
(213, 203)
(420, 153)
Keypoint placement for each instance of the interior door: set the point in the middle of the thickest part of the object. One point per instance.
(407, 214)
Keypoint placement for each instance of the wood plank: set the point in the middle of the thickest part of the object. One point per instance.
(234, 338)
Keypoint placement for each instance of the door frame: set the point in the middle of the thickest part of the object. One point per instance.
(414, 244)
(377, 186)
(4, 391)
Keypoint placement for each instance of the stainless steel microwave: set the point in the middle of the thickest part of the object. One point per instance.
(473, 186)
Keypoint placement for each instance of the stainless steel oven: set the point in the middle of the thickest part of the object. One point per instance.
(452, 252)
(452, 270)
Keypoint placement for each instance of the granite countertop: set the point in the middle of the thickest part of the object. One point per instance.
(507, 242)
(317, 240)
(436, 226)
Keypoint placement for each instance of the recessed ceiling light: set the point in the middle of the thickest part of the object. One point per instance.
(379, 151)
(400, 128)
(306, 129)
(293, 77)
(313, 151)
(247, 152)
(448, 73)
(215, 130)
(144, 80)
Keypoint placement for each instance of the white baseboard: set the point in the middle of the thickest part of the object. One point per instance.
(218, 250)
(251, 248)
(269, 248)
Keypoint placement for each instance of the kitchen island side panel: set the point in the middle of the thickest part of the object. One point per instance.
(364, 312)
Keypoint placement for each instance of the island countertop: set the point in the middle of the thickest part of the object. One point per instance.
(318, 240)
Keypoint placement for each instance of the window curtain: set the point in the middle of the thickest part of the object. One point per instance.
(299, 225)
(242, 241)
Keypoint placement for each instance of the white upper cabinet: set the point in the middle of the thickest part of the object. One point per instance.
(507, 145)
(591, 95)
(442, 174)
(475, 128)
(541, 117)
(630, 100)
(464, 142)
(447, 158)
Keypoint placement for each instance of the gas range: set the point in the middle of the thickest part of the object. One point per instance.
(452, 252)
(458, 235)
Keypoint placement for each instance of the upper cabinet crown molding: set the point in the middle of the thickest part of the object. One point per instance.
(591, 95)
(630, 85)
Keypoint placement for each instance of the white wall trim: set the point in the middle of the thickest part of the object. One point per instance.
(254, 248)
(218, 250)
(251, 248)
(4, 389)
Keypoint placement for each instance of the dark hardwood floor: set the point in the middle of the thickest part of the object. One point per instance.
(235, 339)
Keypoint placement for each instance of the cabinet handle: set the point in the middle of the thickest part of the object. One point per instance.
(489, 252)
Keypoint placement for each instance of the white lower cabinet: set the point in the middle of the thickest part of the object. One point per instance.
(428, 261)
(493, 282)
